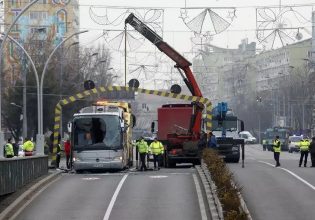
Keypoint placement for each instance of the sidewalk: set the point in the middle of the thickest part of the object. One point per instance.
(62, 164)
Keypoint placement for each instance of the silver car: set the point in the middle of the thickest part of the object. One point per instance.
(294, 142)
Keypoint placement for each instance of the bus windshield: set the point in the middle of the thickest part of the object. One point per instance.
(101, 132)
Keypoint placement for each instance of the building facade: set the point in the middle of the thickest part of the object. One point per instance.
(41, 27)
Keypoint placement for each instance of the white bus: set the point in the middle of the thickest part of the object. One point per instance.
(101, 137)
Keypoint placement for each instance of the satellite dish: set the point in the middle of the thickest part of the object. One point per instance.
(298, 36)
(134, 83)
(89, 84)
(176, 89)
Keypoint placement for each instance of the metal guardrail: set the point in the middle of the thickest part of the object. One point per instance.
(16, 172)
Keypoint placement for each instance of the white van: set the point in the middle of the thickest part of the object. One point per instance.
(248, 137)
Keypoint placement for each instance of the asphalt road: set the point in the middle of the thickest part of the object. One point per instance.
(284, 193)
(155, 195)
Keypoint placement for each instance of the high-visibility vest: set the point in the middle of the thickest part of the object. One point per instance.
(142, 146)
(304, 145)
(9, 149)
(156, 148)
(276, 146)
(28, 146)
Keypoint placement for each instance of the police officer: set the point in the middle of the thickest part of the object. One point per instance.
(143, 149)
(156, 148)
(28, 147)
(312, 151)
(8, 149)
(276, 150)
(58, 155)
(304, 147)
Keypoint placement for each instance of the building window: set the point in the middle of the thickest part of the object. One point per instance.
(15, 14)
(61, 21)
(38, 15)
(15, 3)
(39, 30)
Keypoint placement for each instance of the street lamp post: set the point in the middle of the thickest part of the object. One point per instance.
(62, 56)
(6, 35)
(37, 84)
(40, 136)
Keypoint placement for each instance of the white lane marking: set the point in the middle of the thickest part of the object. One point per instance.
(112, 201)
(91, 178)
(200, 198)
(158, 177)
(293, 174)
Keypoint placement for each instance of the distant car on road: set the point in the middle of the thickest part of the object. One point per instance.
(294, 143)
(248, 137)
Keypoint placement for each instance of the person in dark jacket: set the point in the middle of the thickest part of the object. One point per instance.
(312, 151)
(202, 141)
(212, 141)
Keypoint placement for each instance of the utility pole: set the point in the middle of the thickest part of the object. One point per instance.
(60, 85)
(24, 73)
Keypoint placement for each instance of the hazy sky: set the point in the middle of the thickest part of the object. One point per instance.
(176, 33)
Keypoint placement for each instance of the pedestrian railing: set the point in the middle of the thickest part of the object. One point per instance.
(19, 171)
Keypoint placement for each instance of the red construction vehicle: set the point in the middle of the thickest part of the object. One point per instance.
(179, 125)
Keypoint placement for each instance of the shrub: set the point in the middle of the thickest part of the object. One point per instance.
(227, 193)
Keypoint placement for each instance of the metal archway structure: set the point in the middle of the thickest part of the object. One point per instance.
(100, 90)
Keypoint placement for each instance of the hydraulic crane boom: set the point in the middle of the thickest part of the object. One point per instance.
(181, 62)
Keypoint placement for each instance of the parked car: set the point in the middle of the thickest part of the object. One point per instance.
(248, 137)
(294, 143)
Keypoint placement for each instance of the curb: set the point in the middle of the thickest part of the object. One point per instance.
(27, 195)
(214, 204)
(243, 204)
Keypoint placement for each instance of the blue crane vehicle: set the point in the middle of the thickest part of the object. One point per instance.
(226, 127)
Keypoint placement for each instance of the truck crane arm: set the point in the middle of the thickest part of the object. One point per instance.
(181, 62)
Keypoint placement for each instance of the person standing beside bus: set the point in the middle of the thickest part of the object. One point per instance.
(67, 148)
(156, 148)
(143, 149)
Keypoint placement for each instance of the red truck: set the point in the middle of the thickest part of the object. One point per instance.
(179, 125)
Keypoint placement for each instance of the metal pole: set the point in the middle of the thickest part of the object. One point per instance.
(44, 72)
(125, 54)
(36, 76)
(60, 87)
(259, 136)
(24, 101)
(40, 137)
(1, 53)
(303, 113)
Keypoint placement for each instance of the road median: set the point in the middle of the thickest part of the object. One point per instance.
(224, 197)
